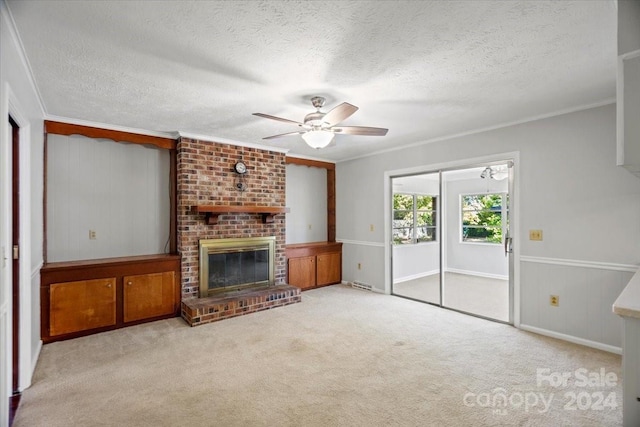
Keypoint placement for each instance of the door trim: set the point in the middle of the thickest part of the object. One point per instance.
(16, 247)
(28, 355)
(455, 164)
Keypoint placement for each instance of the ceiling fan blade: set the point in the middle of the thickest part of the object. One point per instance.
(280, 119)
(339, 113)
(360, 130)
(284, 134)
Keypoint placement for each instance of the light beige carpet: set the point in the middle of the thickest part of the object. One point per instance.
(342, 357)
(472, 294)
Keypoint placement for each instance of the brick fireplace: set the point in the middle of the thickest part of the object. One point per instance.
(205, 177)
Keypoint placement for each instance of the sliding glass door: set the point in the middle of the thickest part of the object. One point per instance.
(416, 237)
(451, 241)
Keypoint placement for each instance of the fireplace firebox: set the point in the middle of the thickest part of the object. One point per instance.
(236, 264)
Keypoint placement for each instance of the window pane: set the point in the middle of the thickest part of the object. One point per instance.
(425, 202)
(426, 234)
(402, 236)
(426, 218)
(482, 218)
(404, 221)
(403, 202)
(403, 215)
(481, 234)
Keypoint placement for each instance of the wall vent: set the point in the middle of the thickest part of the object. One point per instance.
(361, 285)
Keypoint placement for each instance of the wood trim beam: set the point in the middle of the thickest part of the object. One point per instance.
(331, 205)
(311, 163)
(60, 128)
(173, 201)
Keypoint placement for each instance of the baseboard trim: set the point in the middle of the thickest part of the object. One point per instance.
(416, 276)
(571, 338)
(477, 274)
(34, 363)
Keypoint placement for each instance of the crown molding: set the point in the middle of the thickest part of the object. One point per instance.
(231, 142)
(5, 14)
(556, 113)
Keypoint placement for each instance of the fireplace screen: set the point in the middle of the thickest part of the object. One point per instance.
(232, 264)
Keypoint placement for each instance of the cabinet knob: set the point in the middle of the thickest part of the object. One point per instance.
(129, 283)
(108, 285)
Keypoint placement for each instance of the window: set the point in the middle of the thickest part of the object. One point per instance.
(414, 218)
(482, 217)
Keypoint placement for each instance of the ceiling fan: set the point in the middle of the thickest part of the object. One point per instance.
(318, 128)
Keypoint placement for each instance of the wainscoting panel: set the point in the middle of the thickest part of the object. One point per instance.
(586, 294)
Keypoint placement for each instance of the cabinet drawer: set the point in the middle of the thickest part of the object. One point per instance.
(82, 305)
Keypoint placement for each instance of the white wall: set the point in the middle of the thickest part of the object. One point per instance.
(415, 261)
(120, 191)
(570, 188)
(306, 195)
(19, 98)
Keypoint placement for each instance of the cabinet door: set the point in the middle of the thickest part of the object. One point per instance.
(302, 272)
(82, 305)
(149, 295)
(329, 268)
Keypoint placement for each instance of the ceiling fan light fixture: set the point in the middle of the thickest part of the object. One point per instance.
(317, 138)
(499, 175)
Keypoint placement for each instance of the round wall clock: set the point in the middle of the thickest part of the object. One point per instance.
(240, 168)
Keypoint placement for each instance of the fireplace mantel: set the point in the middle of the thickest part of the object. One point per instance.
(211, 213)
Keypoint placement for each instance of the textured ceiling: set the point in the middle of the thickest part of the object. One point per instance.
(423, 69)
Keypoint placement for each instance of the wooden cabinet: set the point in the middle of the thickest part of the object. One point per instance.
(329, 268)
(149, 295)
(310, 265)
(302, 272)
(85, 304)
(84, 297)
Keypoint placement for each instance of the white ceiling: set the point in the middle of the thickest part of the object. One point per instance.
(423, 69)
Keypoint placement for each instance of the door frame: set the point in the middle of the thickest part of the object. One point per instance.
(454, 164)
(10, 106)
(15, 262)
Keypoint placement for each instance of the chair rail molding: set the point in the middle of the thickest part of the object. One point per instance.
(361, 243)
(631, 268)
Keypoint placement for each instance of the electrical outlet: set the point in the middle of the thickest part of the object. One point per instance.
(554, 300)
(309, 226)
(535, 235)
(370, 227)
(359, 266)
(92, 235)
